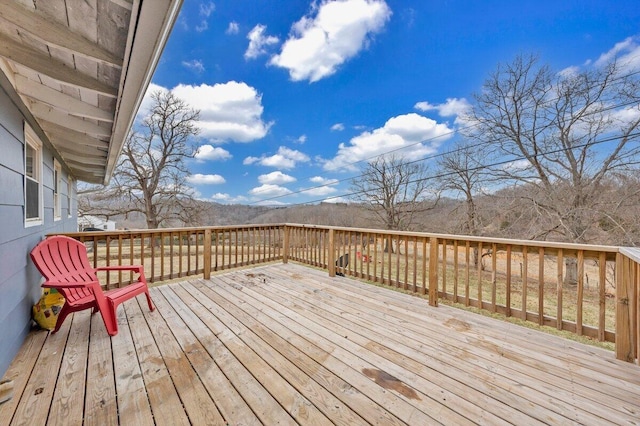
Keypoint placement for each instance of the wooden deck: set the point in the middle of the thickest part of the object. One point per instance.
(286, 344)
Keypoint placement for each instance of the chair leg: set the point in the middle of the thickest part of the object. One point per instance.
(61, 317)
(110, 318)
(151, 307)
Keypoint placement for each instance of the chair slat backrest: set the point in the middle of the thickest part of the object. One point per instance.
(63, 259)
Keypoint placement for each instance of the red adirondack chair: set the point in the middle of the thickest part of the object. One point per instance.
(64, 264)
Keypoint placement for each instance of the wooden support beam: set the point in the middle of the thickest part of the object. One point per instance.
(71, 137)
(44, 64)
(59, 100)
(55, 34)
(48, 114)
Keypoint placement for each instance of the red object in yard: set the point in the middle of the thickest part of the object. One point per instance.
(364, 257)
(64, 264)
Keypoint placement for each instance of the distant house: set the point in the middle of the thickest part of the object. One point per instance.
(72, 76)
(92, 222)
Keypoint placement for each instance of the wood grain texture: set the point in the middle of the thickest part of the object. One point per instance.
(288, 344)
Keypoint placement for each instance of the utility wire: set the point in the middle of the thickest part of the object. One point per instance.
(482, 166)
(430, 157)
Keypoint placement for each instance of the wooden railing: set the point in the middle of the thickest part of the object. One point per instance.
(584, 289)
(168, 254)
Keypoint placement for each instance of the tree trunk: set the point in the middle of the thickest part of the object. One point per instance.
(571, 271)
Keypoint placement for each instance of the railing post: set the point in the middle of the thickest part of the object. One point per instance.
(624, 305)
(433, 271)
(207, 254)
(285, 243)
(332, 254)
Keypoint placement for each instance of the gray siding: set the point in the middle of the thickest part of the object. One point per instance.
(19, 279)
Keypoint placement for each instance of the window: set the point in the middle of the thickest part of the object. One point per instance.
(57, 185)
(33, 178)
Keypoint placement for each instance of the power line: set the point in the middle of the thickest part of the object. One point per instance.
(482, 166)
(430, 157)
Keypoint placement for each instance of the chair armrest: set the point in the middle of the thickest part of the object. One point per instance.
(136, 268)
(54, 284)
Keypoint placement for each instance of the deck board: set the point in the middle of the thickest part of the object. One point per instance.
(286, 344)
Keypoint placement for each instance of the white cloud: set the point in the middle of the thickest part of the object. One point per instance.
(276, 178)
(516, 165)
(622, 118)
(340, 29)
(269, 190)
(202, 26)
(453, 107)
(320, 191)
(285, 158)
(229, 111)
(250, 160)
(206, 9)
(323, 181)
(335, 200)
(233, 28)
(270, 203)
(324, 186)
(194, 65)
(208, 152)
(338, 127)
(626, 52)
(225, 198)
(302, 139)
(258, 42)
(569, 72)
(423, 135)
(200, 179)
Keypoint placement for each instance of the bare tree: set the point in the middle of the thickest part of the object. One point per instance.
(567, 133)
(462, 170)
(394, 190)
(150, 177)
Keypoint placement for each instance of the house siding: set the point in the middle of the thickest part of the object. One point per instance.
(19, 279)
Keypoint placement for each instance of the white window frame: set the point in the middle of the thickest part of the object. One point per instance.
(34, 143)
(69, 194)
(57, 186)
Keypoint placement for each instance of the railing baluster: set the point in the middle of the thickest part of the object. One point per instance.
(580, 292)
(508, 282)
(444, 266)
(455, 271)
(415, 264)
(467, 290)
(540, 286)
(559, 286)
(494, 282)
(602, 301)
(479, 271)
(433, 271)
(424, 266)
(524, 278)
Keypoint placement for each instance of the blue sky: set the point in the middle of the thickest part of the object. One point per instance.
(294, 93)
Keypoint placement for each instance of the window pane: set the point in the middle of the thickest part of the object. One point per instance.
(33, 210)
(30, 156)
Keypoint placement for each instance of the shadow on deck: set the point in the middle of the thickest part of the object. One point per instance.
(287, 344)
